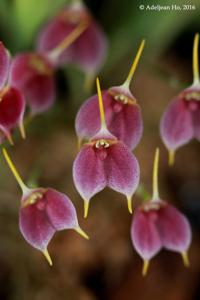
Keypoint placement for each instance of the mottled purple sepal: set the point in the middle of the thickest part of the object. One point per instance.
(35, 225)
(144, 233)
(87, 121)
(88, 172)
(174, 229)
(122, 169)
(60, 210)
(12, 108)
(33, 75)
(176, 127)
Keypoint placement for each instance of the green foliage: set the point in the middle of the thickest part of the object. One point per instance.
(21, 19)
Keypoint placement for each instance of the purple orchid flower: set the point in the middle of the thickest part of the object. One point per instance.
(122, 112)
(157, 224)
(88, 52)
(12, 104)
(43, 212)
(180, 122)
(33, 73)
(105, 161)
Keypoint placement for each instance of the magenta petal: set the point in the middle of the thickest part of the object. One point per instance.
(89, 51)
(174, 228)
(12, 107)
(40, 93)
(176, 126)
(87, 122)
(33, 75)
(88, 172)
(25, 65)
(60, 210)
(122, 169)
(21, 70)
(4, 64)
(35, 226)
(53, 34)
(127, 125)
(196, 123)
(144, 233)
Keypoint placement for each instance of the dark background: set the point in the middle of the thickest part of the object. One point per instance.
(106, 266)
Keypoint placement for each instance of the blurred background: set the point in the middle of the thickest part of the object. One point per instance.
(106, 266)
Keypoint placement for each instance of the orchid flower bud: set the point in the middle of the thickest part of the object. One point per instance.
(157, 224)
(181, 120)
(12, 103)
(122, 112)
(33, 74)
(105, 161)
(88, 52)
(43, 212)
